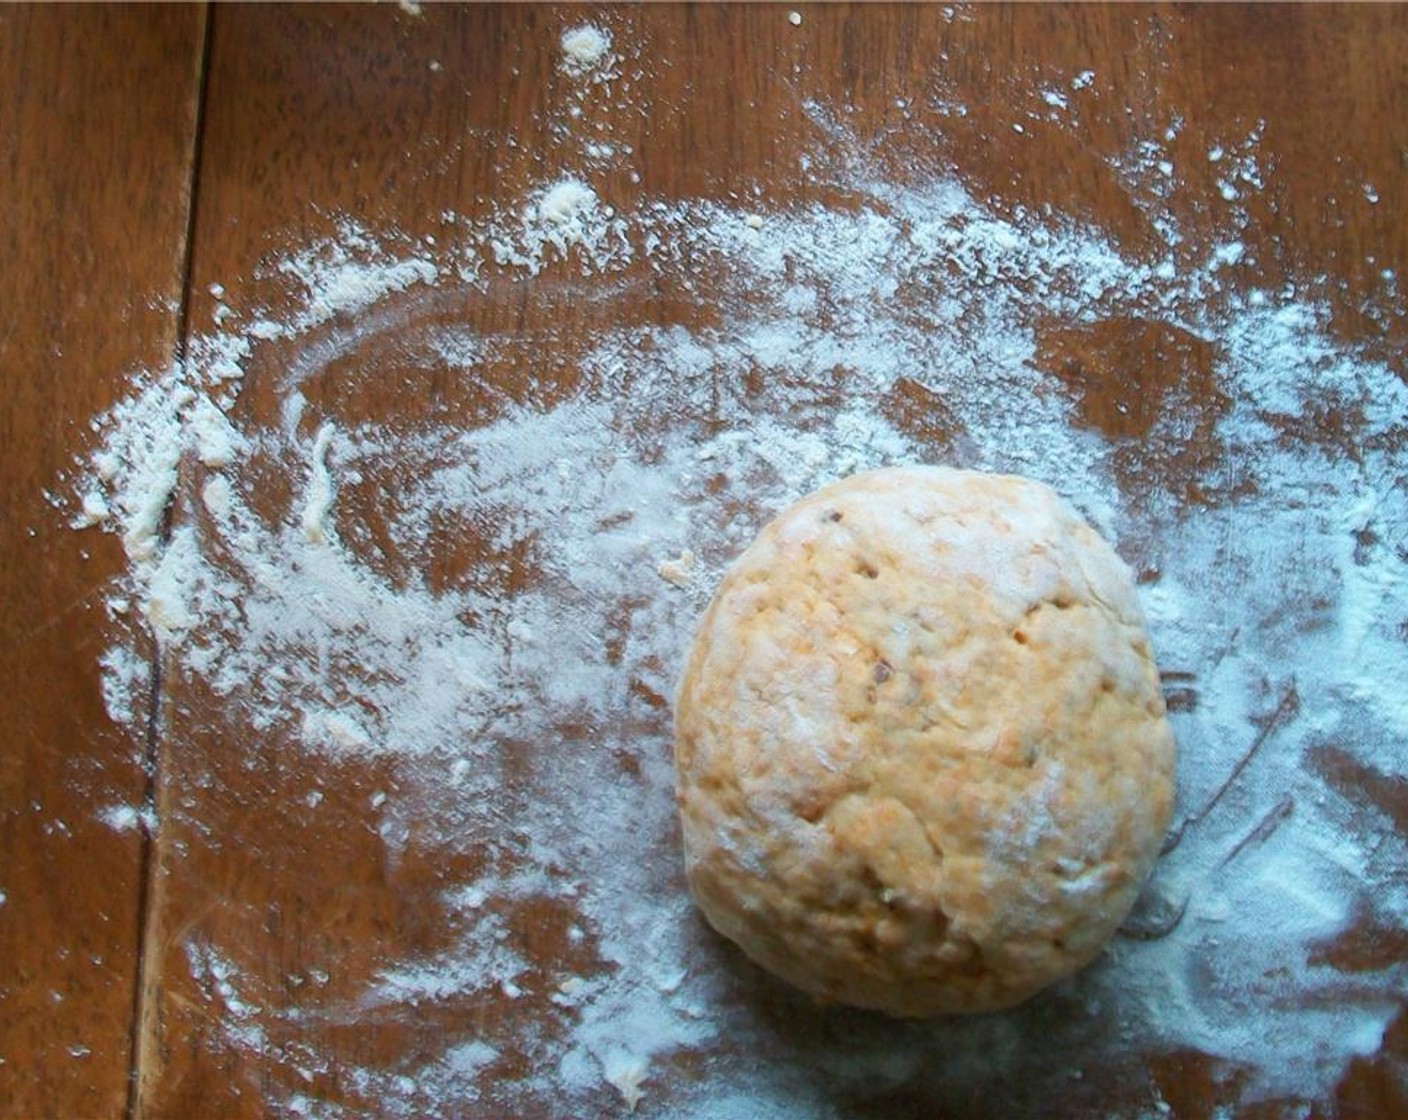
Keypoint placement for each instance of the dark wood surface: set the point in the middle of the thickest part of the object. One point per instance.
(97, 134)
(309, 113)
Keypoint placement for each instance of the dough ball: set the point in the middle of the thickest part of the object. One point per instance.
(923, 760)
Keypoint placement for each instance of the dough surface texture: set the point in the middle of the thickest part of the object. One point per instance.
(923, 761)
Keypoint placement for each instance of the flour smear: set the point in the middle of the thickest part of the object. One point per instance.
(315, 585)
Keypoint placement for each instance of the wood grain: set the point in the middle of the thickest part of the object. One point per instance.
(275, 897)
(364, 125)
(97, 136)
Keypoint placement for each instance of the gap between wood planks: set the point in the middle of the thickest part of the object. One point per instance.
(142, 1032)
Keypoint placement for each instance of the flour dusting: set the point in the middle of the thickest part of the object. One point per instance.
(491, 604)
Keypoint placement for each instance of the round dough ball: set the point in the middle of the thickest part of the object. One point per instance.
(923, 760)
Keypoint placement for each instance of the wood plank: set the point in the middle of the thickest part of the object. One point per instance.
(97, 138)
(280, 897)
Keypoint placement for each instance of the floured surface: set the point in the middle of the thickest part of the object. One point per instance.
(450, 621)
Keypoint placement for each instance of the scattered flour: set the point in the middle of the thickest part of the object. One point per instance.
(344, 277)
(584, 49)
(93, 511)
(560, 220)
(626, 1072)
(126, 818)
(565, 206)
(318, 502)
(520, 694)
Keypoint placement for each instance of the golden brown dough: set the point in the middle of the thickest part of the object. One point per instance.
(923, 760)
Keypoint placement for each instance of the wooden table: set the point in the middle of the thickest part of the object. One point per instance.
(151, 152)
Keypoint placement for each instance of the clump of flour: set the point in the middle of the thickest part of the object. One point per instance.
(562, 220)
(310, 571)
(585, 49)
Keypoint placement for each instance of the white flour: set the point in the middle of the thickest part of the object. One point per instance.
(584, 49)
(315, 578)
